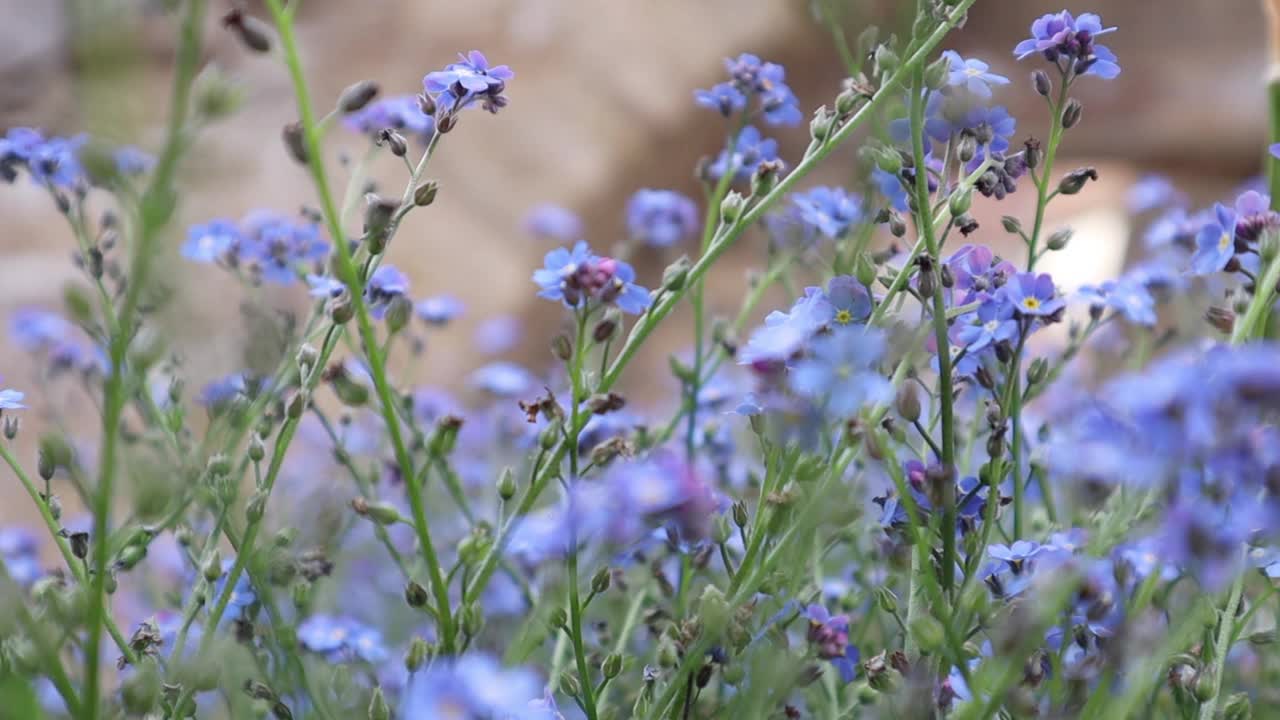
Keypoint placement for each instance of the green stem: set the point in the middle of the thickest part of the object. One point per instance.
(1252, 324)
(924, 225)
(155, 209)
(1222, 644)
(35, 631)
(355, 284)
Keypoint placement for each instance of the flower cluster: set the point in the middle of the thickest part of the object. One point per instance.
(752, 79)
(263, 244)
(578, 276)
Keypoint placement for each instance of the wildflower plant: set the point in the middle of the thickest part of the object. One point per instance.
(937, 483)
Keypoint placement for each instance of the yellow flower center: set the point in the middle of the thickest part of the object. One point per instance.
(1224, 241)
(972, 72)
(844, 372)
(844, 317)
(1031, 303)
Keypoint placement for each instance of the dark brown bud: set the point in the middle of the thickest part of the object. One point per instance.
(295, 142)
(253, 33)
(355, 97)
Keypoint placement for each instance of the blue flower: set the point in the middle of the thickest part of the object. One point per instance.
(784, 333)
(661, 218)
(1015, 555)
(972, 74)
(832, 210)
(1216, 242)
(53, 161)
(504, 379)
(554, 222)
(269, 245)
(218, 393)
(577, 276)
(1153, 192)
(20, 551)
(850, 301)
(890, 187)
(439, 310)
(11, 399)
(840, 372)
(992, 323)
(461, 83)
(725, 98)
(1127, 296)
(498, 334)
(750, 77)
(132, 161)
(470, 687)
(1064, 37)
(386, 284)
(341, 639)
(400, 112)
(749, 150)
(1032, 294)
(324, 286)
(211, 241)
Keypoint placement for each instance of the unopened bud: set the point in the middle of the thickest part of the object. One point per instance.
(417, 654)
(425, 194)
(1071, 113)
(378, 708)
(399, 311)
(297, 404)
(356, 96)
(1074, 181)
(79, 542)
(731, 207)
(821, 125)
(394, 141)
(1012, 225)
(295, 142)
(45, 465)
(600, 581)
(675, 274)
(908, 402)
(507, 484)
(254, 34)
(612, 665)
(415, 595)
(1041, 82)
(935, 76)
(378, 215)
(212, 566)
(966, 148)
(562, 347)
(1032, 153)
(886, 60)
(960, 202)
(11, 426)
(1059, 239)
(1222, 319)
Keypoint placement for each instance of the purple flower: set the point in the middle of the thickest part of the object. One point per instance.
(749, 150)
(725, 98)
(661, 218)
(1216, 242)
(577, 276)
(553, 222)
(461, 83)
(439, 310)
(1064, 38)
(399, 112)
(1254, 216)
(217, 393)
(20, 551)
(972, 75)
(840, 372)
(473, 685)
(992, 323)
(832, 210)
(504, 379)
(1032, 294)
(829, 634)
